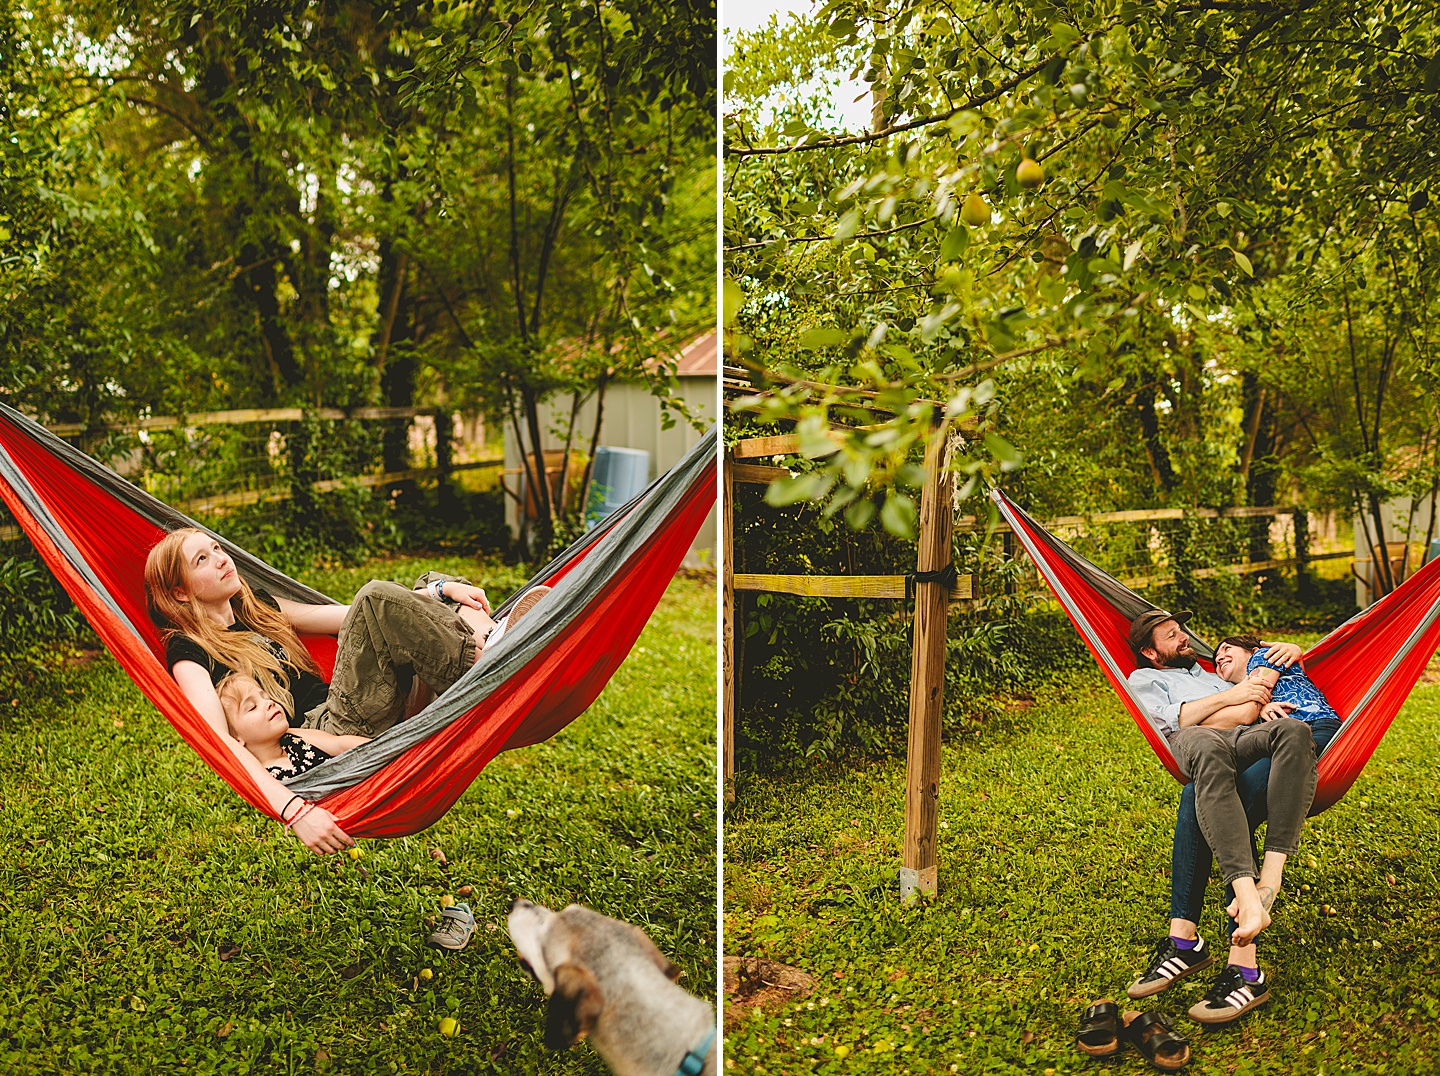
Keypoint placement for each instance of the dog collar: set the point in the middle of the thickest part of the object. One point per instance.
(694, 1062)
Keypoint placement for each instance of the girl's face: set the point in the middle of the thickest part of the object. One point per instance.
(1230, 662)
(254, 716)
(210, 575)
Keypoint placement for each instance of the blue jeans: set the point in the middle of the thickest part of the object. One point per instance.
(1190, 856)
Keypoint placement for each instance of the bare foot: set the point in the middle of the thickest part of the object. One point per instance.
(1250, 919)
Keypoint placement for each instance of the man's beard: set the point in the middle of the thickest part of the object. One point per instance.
(1179, 661)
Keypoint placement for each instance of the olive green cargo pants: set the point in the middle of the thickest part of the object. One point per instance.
(390, 636)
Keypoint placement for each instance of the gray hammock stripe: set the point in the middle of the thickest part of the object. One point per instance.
(1400, 655)
(1014, 514)
(1130, 604)
(17, 481)
(551, 617)
(252, 569)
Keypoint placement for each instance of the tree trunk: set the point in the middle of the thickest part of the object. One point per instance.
(576, 401)
(1160, 467)
(394, 360)
(1260, 473)
(1304, 581)
(545, 524)
(257, 287)
(600, 384)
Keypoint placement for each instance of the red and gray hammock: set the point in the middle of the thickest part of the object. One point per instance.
(1366, 667)
(94, 530)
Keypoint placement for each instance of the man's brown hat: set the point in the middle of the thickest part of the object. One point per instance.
(1143, 626)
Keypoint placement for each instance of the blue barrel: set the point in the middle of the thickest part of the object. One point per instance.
(619, 474)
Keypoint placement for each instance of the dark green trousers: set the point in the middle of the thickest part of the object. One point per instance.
(390, 636)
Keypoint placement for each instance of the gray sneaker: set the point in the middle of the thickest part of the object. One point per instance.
(457, 925)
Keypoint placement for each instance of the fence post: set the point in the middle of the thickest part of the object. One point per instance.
(927, 678)
(730, 669)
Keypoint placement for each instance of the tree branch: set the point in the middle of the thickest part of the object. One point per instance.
(895, 128)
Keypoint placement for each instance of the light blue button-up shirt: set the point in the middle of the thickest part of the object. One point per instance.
(1163, 691)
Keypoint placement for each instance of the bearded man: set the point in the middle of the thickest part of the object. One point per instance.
(1238, 749)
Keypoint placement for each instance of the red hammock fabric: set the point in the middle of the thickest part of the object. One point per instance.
(1366, 667)
(414, 790)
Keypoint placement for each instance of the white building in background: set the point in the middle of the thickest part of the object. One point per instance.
(1399, 519)
(631, 419)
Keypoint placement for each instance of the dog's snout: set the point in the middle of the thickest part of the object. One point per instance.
(520, 902)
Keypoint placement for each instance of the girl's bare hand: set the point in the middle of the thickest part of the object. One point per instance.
(319, 832)
(465, 594)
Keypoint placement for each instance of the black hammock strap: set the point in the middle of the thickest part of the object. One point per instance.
(944, 576)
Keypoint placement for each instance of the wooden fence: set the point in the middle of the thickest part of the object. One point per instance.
(222, 502)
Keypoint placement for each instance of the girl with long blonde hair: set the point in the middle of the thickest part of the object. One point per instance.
(215, 624)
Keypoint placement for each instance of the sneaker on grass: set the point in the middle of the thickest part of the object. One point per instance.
(457, 924)
(1231, 997)
(1170, 965)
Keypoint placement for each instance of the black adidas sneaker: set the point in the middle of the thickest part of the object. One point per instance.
(1231, 997)
(1171, 964)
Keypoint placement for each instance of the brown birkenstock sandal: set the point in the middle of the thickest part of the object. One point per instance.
(1155, 1036)
(1099, 1034)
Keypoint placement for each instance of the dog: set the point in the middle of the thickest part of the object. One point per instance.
(607, 981)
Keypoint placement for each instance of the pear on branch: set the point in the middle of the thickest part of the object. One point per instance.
(975, 211)
(1029, 174)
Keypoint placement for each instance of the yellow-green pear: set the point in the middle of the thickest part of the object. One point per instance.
(975, 211)
(1029, 174)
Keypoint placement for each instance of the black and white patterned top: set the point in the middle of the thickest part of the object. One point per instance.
(300, 755)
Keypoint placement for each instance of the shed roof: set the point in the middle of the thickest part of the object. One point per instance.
(699, 358)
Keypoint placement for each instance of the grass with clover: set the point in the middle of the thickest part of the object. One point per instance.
(150, 921)
(1054, 886)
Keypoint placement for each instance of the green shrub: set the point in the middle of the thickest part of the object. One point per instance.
(33, 606)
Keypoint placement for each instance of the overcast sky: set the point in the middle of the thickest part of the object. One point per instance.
(745, 15)
(753, 14)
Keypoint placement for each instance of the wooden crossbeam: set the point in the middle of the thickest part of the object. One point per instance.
(782, 444)
(841, 586)
(755, 473)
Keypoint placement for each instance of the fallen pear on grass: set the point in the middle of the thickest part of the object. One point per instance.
(447, 901)
(449, 1026)
(975, 211)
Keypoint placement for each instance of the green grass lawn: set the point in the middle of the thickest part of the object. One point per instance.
(150, 921)
(1054, 886)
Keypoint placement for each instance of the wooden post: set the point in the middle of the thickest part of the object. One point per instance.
(730, 671)
(927, 679)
